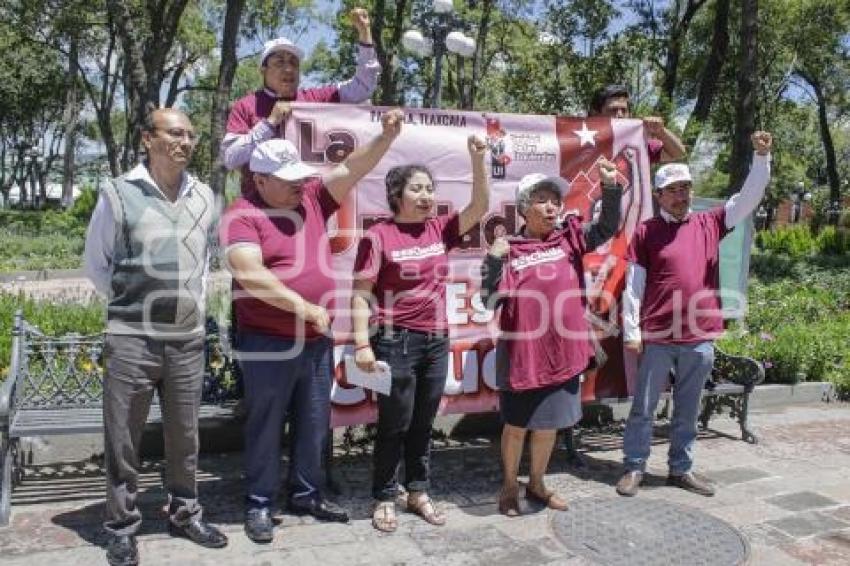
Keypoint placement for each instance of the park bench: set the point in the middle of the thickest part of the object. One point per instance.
(54, 387)
(729, 386)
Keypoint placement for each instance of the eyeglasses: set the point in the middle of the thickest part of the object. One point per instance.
(282, 61)
(180, 133)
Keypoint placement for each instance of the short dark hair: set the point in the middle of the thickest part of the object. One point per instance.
(397, 178)
(601, 96)
(147, 121)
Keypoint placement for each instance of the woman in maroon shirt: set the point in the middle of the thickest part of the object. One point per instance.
(400, 269)
(537, 279)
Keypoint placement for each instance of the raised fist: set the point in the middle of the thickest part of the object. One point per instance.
(500, 247)
(476, 146)
(607, 172)
(360, 19)
(391, 122)
(762, 142)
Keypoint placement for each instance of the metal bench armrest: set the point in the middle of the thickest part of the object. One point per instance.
(7, 388)
(740, 370)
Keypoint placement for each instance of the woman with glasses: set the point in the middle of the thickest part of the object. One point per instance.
(399, 317)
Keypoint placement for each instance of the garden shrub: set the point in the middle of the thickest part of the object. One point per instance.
(794, 241)
(798, 324)
(832, 241)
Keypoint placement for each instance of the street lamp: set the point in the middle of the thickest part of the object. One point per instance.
(438, 38)
(797, 198)
(833, 213)
(761, 218)
(34, 160)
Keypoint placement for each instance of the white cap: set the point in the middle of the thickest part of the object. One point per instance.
(527, 184)
(280, 44)
(671, 173)
(279, 158)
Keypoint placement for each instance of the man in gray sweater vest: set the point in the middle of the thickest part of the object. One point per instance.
(147, 251)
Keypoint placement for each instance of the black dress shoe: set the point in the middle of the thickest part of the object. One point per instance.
(199, 532)
(121, 550)
(321, 509)
(259, 525)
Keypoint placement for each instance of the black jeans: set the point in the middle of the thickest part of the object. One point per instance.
(419, 363)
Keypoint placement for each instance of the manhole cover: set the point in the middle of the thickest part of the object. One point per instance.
(640, 531)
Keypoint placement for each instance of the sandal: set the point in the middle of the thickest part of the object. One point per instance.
(548, 498)
(384, 517)
(509, 502)
(423, 506)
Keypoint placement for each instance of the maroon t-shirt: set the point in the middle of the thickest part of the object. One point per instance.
(408, 265)
(295, 248)
(681, 304)
(544, 330)
(256, 106)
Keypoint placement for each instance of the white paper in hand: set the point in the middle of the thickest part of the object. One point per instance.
(379, 380)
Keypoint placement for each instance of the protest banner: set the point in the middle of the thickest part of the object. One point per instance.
(518, 145)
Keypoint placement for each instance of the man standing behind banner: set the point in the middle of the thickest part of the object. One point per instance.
(259, 116)
(672, 312)
(277, 247)
(147, 250)
(663, 146)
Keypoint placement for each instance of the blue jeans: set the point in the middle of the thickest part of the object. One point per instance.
(285, 378)
(692, 364)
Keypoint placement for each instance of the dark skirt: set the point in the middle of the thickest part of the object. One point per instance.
(547, 408)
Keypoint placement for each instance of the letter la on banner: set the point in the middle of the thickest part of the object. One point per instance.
(518, 145)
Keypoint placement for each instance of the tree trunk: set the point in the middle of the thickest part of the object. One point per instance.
(387, 52)
(711, 74)
(136, 77)
(678, 33)
(71, 115)
(480, 50)
(145, 60)
(745, 106)
(221, 97)
(825, 136)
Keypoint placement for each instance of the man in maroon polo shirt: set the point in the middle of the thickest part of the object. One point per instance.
(277, 247)
(672, 312)
(259, 115)
(663, 145)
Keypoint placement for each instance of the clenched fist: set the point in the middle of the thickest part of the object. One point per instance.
(500, 247)
(762, 142)
(360, 19)
(476, 146)
(607, 172)
(391, 122)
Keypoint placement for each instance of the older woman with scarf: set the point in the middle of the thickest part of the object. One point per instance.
(537, 279)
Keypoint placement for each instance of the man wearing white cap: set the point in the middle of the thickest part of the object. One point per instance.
(672, 312)
(258, 116)
(276, 245)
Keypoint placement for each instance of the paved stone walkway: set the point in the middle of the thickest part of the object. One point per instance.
(789, 495)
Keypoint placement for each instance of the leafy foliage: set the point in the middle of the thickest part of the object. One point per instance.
(799, 319)
(800, 242)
